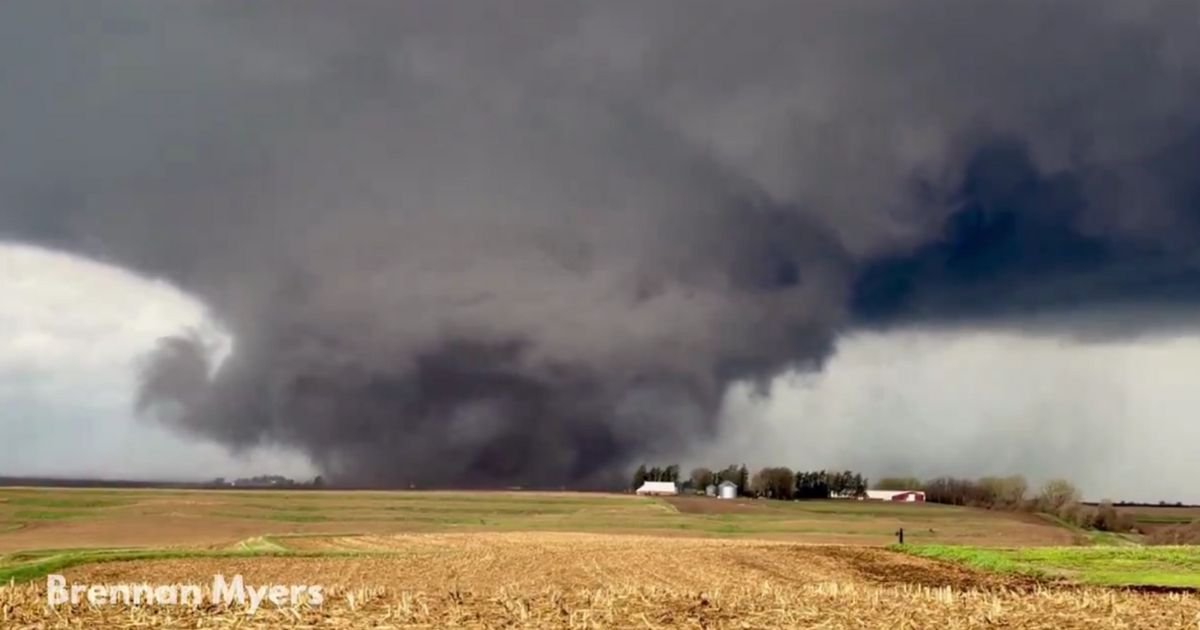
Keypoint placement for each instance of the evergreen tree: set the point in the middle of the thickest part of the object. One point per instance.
(639, 476)
(671, 473)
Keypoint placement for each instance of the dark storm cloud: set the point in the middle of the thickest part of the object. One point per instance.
(1019, 243)
(525, 242)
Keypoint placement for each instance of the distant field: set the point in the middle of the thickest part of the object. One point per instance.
(1150, 518)
(531, 559)
(46, 518)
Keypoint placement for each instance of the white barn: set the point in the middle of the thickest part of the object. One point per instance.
(658, 488)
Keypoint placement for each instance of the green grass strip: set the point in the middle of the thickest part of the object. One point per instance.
(65, 503)
(1165, 566)
(47, 515)
(994, 560)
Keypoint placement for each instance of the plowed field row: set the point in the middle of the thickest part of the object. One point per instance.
(590, 580)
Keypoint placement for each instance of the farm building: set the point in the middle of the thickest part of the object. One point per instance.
(907, 496)
(727, 490)
(658, 488)
(710, 490)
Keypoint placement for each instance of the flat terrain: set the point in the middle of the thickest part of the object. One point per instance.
(526, 559)
(538, 560)
(601, 580)
(56, 518)
(873, 522)
(1149, 519)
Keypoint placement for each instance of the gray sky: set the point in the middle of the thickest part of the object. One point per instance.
(907, 402)
(1117, 417)
(73, 332)
(534, 242)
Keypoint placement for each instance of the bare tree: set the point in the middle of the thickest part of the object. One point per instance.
(1056, 494)
(774, 483)
(701, 478)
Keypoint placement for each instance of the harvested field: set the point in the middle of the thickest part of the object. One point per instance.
(590, 559)
(38, 518)
(588, 580)
(528, 559)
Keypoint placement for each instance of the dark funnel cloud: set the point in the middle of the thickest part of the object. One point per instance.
(527, 243)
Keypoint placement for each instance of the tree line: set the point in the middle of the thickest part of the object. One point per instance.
(1057, 497)
(782, 483)
(666, 473)
(772, 482)
(701, 478)
(267, 481)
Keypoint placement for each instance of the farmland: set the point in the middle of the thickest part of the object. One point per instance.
(1155, 519)
(1176, 566)
(433, 559)
(39, 518)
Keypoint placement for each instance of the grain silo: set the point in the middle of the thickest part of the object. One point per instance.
(728, 490)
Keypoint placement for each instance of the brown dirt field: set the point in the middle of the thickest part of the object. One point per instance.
(156, 531)
(579, 559)
(44, 519)
(181, 530)
(591, 580)
(526, 560)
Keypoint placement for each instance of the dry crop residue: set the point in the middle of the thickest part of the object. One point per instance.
(583, 581)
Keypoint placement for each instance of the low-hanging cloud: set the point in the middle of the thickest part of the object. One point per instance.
(526, 242)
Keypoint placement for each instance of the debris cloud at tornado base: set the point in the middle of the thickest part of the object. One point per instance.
(528, 243)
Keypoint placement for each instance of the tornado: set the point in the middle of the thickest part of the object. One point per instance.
(528, 243)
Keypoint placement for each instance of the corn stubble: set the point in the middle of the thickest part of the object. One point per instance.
(727, 586)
